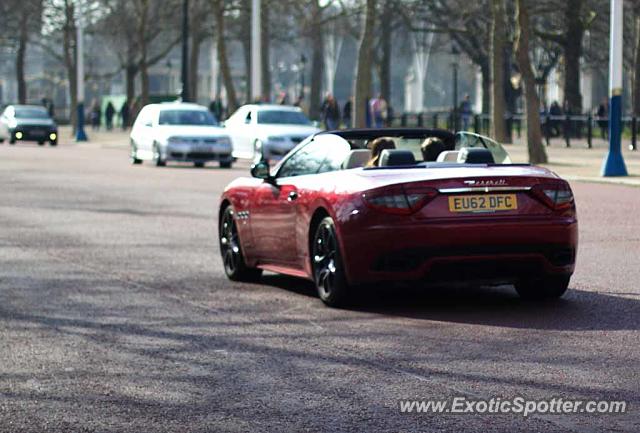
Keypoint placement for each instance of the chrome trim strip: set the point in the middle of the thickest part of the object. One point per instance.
(483, 189)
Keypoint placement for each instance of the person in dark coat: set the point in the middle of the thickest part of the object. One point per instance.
(330, 113)
(109, 112)
(95, 115)
(603, 117)
(346, 112)
(125, 114)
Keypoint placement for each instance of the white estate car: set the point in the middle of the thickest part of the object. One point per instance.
(267, 132)
(175, 131)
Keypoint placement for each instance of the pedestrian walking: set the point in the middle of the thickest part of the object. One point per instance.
(466, 112)
(347, 112)
(215, 107)
(125, 112)
(109, 112)
(378, 108)
(602, 114)
(94, 115)
(330, 113)
(554, 124)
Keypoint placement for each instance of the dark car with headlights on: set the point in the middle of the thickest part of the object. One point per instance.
(28, 123)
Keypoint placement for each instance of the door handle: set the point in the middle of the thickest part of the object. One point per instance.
(293, 195)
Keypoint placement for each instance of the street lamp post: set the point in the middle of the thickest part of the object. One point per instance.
(256, 52)
(454, 66)
(613, 164)
(80, 132)
(184, 93)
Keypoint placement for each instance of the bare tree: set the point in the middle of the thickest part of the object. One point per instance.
(362, 87)
(537, 153)
(223, 61)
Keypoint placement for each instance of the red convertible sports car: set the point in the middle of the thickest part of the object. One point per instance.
(465, 214)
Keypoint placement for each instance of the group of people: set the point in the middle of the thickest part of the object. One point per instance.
(430, 149)
(110, 112)
(554, 125)
(378, 112)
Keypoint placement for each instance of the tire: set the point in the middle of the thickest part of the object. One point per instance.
(198, 164)
(328, 269)
(12, 141)
(226, 164)
(40, 143)
(157, 157)
(543, 288)
(133, 155)
(231, 251)
(53, 143)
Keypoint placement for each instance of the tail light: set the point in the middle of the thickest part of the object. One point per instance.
(557, 196)
(399, 200)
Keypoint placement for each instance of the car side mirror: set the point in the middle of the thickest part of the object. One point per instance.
(247, 121)
(261, 170)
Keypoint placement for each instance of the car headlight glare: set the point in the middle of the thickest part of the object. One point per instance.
(53, 136)
(19, 135)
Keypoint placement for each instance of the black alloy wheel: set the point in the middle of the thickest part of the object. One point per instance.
(328, 270)
(231, 252)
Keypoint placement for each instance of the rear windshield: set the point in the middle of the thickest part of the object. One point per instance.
(31, 113)
(282, 117)
(187, 117)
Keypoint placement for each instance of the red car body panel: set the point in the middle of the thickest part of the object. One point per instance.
(431, 243)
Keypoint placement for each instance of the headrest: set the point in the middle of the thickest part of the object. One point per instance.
(395, 157)
(448, 156)
(475, 155)
(356, 158)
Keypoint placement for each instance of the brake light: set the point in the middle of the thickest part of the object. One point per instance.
(399, 200)
(557, 196)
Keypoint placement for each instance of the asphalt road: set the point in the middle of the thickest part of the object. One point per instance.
(115, 315)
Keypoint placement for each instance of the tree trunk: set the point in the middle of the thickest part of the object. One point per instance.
(20, 57)
(223, 61)
(385, 39)
(130, 77)
(317, 61)
(537, 153)
(143, 66)
(572, 48)
(194, 60)
(362, 87)
(265, 39)
(498, 130)
(636, 65)
(69, 45)
(485, 72)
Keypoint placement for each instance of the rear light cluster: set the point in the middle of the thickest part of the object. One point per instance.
(557, 196)
(399, 200)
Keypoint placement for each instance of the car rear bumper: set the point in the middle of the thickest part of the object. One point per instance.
(497, 251)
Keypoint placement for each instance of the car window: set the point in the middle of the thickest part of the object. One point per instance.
(31, 113)
(187, 117)
(282, 117)
(323, 154)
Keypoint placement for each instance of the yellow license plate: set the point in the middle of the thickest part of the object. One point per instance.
(483, 203)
